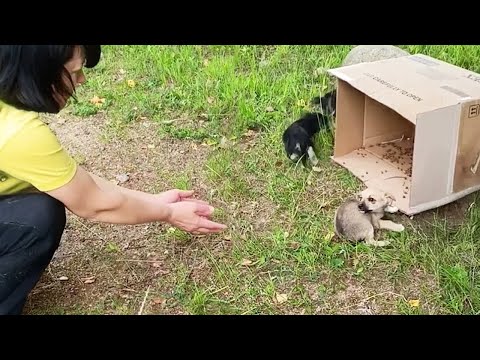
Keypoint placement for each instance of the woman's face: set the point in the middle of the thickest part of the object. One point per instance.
(75, 69)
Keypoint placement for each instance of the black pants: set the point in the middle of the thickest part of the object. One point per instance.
(31, 226)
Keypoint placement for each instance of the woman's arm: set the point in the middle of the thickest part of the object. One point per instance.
(84, 197)
(97, 199)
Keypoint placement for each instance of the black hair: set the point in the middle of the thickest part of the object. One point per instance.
(28, 74)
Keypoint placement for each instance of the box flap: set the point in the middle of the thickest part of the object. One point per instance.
(412, 84)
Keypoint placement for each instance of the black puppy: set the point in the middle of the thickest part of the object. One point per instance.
(327, 104)
(298, 137)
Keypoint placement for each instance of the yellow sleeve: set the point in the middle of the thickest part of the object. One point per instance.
(35, 155)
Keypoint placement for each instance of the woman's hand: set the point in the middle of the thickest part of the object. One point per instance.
(187, 213)
(192, 216)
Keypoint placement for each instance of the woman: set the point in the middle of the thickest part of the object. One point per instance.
(39, 179)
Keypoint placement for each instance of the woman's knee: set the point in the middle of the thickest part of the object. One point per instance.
(44, 214)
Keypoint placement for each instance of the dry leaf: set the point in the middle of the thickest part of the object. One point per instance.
(281, 298)
(97, 100)
(246, 262)
(227, 237)
(63, 278)
(158, 301)
(414, 303)
(269, 109)
(329, 236)
(210, 100)
(89, 280)
(131, 83)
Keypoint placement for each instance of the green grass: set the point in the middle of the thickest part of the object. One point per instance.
(206, 93)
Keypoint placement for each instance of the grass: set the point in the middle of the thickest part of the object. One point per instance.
(237, 100)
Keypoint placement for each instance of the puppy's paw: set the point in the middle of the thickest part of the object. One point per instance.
(391, 209)
(379, 243)
(399, 228)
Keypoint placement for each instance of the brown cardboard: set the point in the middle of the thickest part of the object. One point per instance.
(410, 126)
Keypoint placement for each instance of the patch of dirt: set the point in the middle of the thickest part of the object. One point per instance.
(373, 293)
(108, 269)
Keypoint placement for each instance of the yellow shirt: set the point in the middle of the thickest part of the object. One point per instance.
(30, 153)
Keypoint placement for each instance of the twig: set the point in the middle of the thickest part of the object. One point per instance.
(144, 300)
(392, 141)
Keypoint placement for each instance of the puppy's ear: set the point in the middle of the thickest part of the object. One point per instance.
(390, 198)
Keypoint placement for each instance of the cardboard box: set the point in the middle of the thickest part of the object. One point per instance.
(410, 126)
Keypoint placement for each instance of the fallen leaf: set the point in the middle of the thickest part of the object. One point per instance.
(89, 280)
(279, 163)
(122, 178)
(210, 100)
(329, 236)
(158, 301)
(246, 262)
(269, 109)
(98, 101)
(63, 278)
(227, 237)
(131, 83)
(281, 298)
(414, 303)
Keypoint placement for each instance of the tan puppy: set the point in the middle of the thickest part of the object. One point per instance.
(357, 218)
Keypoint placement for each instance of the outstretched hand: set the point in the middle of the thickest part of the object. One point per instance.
(189, 214)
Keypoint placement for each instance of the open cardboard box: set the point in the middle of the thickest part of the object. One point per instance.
(410, 126)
